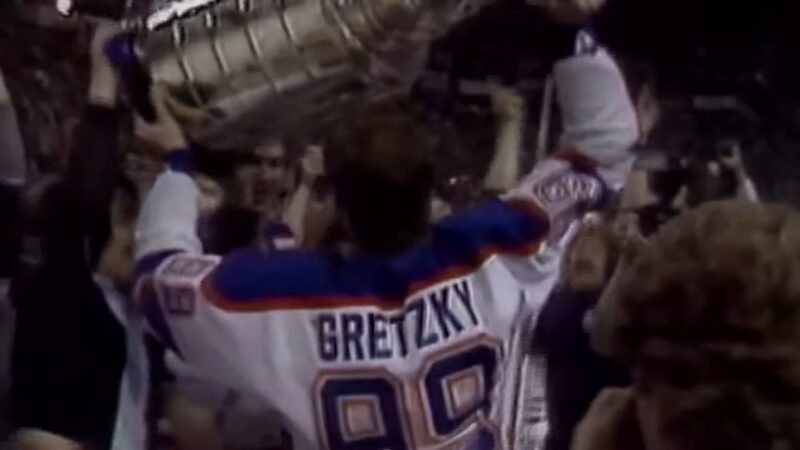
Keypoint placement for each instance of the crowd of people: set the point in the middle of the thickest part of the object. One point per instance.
(337, 292)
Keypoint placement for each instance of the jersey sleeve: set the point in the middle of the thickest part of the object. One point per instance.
(170, 292)
(532, 228)
(170, 272)
(600, 129)
(168, 219)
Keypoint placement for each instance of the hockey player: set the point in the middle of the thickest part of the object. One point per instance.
(412, 337)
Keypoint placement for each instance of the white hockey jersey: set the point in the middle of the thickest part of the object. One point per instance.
(421, 351)
(131, 424)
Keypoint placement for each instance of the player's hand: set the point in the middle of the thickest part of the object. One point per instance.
(507, 103)
(165, 134)
(103, 84)
(575, 12)
(313, 164)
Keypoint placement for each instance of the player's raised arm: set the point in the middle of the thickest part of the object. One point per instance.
(598, 115)
(530, 228)
(600, 129)
(168, 219)
(170, 264)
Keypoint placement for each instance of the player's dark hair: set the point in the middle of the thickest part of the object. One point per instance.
(380, 159)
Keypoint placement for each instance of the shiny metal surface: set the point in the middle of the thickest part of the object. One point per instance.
(271, 67)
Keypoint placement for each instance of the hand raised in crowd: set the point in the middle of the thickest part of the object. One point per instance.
(506, 102)
(103, 84)
(165, 134)
(576, 12)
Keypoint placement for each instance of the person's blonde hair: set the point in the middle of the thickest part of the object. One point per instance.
(709, 314)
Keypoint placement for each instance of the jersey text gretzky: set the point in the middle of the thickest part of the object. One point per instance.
(432, 318)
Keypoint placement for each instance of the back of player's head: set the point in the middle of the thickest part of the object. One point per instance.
(380, 158)
(708, 316)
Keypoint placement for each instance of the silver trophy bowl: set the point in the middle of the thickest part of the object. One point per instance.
(270, 68)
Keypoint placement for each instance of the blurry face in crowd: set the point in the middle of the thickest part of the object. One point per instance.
(587, 261)
(266, 184)
(273, 162)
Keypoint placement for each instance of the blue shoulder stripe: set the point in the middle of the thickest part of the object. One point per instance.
(253, 280)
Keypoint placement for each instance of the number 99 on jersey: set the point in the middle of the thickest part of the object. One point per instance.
(444, 407)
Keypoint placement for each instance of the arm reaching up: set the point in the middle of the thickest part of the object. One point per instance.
(509, 109)
(312, 168)
(168, 218)
(95, 163)
(537, 218)
(598, 116)
(600, 129)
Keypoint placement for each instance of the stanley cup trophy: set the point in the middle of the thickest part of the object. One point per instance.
(271, 67)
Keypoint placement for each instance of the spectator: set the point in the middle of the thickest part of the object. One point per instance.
(263, 202)
(229, 227)
(575, 373)
(268, 179)
(68, 348)
(724, 177)
(706, 317)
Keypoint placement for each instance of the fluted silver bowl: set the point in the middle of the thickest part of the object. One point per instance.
(260, 68)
